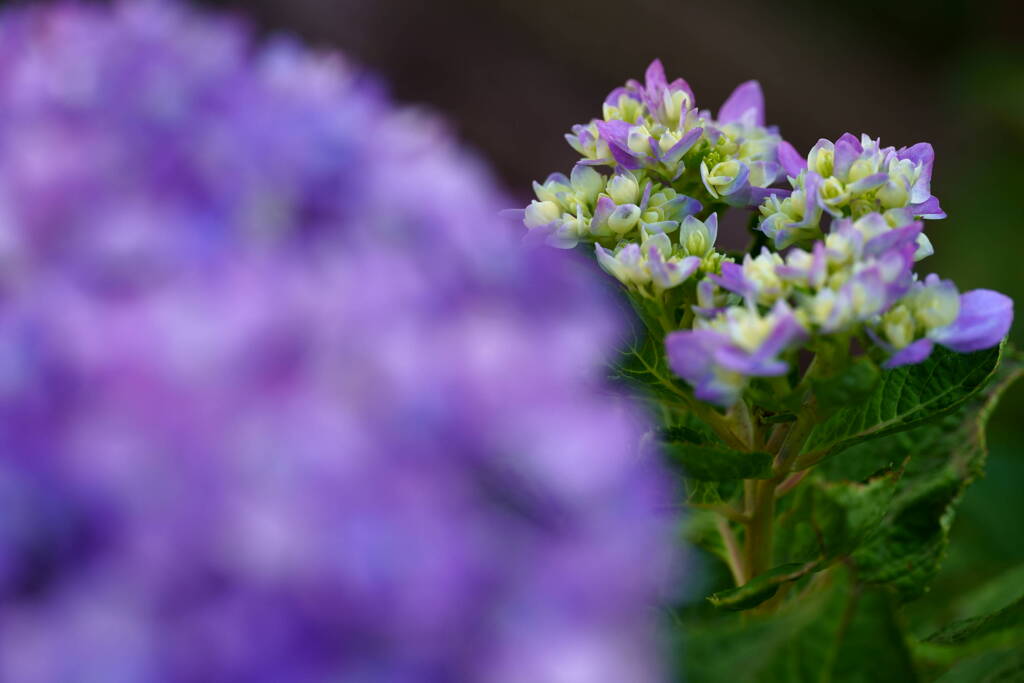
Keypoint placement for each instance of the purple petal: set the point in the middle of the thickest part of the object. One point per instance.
(848, 148)
(790, 159)
(602, 211)
(614, 132)
(712, 225)
(614, 95)
(738, 360)
(712, 390)
(745, 104)
(759, 194)
(732, 279)
(738, 183)
(655, 77)
(690, 352)
(985, 318)
(689, 265)
(912, 354)
(929, 208)
(680, 85)
(624, 158)
(893, 239)
(868, 183)
(923, 155)
(676, 151)
(646, 196)
(787, 330)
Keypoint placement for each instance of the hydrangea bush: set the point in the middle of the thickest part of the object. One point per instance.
(280, 400)
(823, 394)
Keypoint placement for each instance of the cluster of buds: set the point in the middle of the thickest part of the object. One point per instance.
(670, 162)
(842, 242)
(656, 127)
(850, 179)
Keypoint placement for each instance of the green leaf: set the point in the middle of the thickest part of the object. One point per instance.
(710, 492)
(642, 367)
(944, 457)
(854, 384)
(761, 587)
(871, 645)
(717, 463)
(836, 631)
(826, 521)
(964, 630)
(904, 398)
(1005, 666)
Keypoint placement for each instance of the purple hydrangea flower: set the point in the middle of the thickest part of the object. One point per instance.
(278, 401)
(934, 312)
(718, 358)
(850, 178)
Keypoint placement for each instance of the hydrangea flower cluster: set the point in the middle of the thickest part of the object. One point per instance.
(669, 162)
(264, 417)
(845, 239)
(850, 179)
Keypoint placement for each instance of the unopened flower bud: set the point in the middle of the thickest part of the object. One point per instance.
(541, 213)
(624, 218)
(623, 189)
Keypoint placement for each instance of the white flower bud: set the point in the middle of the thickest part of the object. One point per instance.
(624, 189)
(624, 218)
(586, 182)
(541, 213)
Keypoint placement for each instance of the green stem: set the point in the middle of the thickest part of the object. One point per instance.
(758, 543)
(732, 551)
(797, 437)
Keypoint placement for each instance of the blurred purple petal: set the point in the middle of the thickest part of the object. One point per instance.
(792, 162)
(746, 104)
(984, 320)
(911, 355)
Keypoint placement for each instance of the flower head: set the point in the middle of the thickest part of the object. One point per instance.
(850, 178)
(720, 356)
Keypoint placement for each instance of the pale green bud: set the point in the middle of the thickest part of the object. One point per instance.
(660, 241)
(746, 328)
(898, 326)
(893, 194)
(833, 192)
(541, 213)
(624, 218)
(720, 175)
(639, 140)
(821, 161)
(696, 243)
(696, 237)
(821, 307)
(587, 183)
(936, 306)
(924, 247)
(623, 189)
(861, 168)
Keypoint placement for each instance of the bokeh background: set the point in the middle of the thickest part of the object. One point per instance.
(513, 75)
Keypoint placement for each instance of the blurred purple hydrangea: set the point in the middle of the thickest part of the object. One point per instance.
(278, 400)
